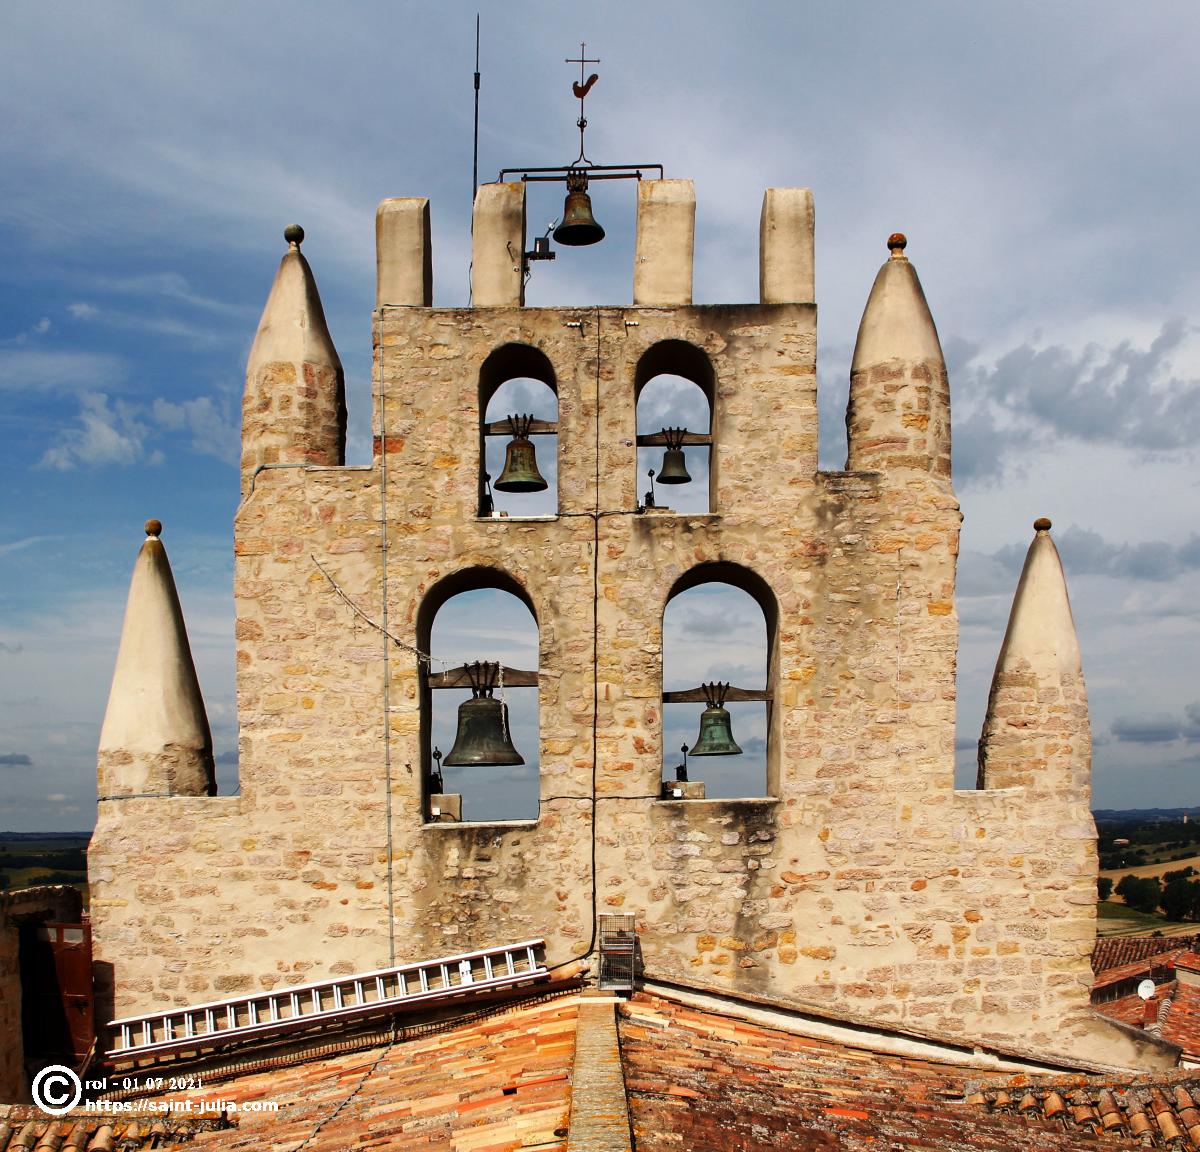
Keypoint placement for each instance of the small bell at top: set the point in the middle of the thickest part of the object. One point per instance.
(716, 728)
(674, 469)
(578, 227)
(520, 460)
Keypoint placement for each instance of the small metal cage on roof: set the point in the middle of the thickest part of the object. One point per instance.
(618, 952)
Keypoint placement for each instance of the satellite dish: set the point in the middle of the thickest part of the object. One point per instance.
(1146, 989)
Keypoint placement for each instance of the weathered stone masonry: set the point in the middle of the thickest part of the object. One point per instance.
(862, 885)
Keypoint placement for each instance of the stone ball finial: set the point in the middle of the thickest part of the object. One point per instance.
(154, 528)
(294, 235)
(897, 242)
(1041, 524)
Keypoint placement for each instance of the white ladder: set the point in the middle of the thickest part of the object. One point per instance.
(305, 1005)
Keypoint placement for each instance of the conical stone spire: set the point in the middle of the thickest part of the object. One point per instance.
(294, 409)
(899, 410)
(155, 739)
(1036, 733)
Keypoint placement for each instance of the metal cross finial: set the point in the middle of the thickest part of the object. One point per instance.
(581, 89)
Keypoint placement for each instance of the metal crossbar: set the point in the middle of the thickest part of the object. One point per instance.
(305, 1005)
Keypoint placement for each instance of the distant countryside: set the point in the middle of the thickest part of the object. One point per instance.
(1149, 871)
(28, 859)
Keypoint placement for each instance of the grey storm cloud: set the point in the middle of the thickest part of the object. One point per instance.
(1157, 728)
(1191, 726)
(1121, 395)
(15, 760)
(1087, 553)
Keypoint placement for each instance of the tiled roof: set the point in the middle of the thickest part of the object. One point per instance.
(697, 1079)
(1115, 951)
(1181, 1025)
(705, 1082)
(1159, 1115)
(1131, 1009)
(494, 1084)
(31, 1130)
(1174, 1009)
(1161, 966)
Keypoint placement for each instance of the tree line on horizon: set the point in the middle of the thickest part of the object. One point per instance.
(1176, 893)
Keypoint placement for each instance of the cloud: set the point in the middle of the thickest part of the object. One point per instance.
(123, 432)
(15, 760)
(672, 401)
(1191, 727)
(1156, 728)
(39, 329)
(1032, 396)
(11, 649)
(107, 435)
(1087, 553)
(26, 542)
(169, 286)
(522, 396)
(196, 334)
(42, 369)
(213, 429)
(57, 798)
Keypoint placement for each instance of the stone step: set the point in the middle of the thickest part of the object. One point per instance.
(599, 1108)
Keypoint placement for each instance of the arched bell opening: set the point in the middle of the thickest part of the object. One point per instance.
(518, 434)
(719, 660)
(480, 736)
(675, 394)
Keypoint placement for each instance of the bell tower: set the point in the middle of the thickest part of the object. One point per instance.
(848, 880)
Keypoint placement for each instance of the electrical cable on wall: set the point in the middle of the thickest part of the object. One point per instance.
(383, 627)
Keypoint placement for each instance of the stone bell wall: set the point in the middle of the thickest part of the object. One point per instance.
(860, 884)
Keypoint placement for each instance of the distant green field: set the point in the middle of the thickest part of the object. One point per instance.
(27, 863)
(1120, 920)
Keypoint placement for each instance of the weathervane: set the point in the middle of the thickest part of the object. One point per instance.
(578, 227)
(581, 90)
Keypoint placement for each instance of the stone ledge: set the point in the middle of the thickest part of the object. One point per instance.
(714, 801)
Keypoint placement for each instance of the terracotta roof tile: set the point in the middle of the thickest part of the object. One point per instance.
(27, 1129)
(1116, 951)
(823, 1095)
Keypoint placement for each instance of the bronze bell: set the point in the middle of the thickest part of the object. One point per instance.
(520, 460)
(483, 738)
(578, 227)
(674, 469)
(716, 729)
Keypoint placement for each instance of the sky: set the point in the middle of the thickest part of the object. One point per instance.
(1039, 157)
